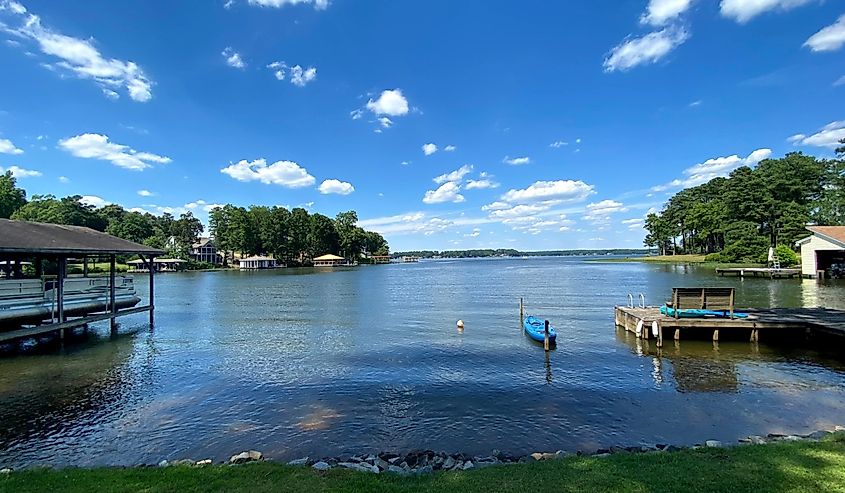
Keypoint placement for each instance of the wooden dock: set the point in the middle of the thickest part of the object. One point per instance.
(769, 272)
(649, 323)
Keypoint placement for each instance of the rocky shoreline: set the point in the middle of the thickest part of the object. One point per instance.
(428, 461)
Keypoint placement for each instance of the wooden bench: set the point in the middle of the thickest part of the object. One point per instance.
(703, 299)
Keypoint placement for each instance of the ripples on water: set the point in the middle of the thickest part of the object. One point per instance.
(299, 362)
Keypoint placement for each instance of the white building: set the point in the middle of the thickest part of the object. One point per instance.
(257, 262)
(823, 251)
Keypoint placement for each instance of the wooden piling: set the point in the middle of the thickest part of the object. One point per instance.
(521, 313)
(112, 303)
(546, 336)
(659, 333)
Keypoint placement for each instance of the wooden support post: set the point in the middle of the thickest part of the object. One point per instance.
(733, 294)
(521, 313)
(659, 333)
(152, 290)
(716, 335)
(112, 304)
(754, 335)
(85, 266)
(546, 336)
(677, 334)
(60, 294)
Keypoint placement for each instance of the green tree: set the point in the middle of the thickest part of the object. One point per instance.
(299, 226)
(322, 236)
(12, 198)
(349, 235)
(69, 210)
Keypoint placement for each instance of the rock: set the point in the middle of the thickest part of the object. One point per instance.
(393, 460)
(560, 454)
(713, 444)
(321, 466)
(6, 471)
(381, 464)
(448, 463)
(468, 465)
(602, 451)
(397, 470)
(163, 463)
(182, 462)
(243, 457)
(425, 470)
(370, 458)
(537, 456)
(792, 438)
(359, 466)
(204, 462)
(839, 428)
(818, 435)
(299, 462)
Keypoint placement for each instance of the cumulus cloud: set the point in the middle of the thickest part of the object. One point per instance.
(634, 223)
(145, 193)
(408, 223)
(559, 190)
(449, 148)
(455, 176)
(828, 137)
(647, 49)
(6, 147)
(600, 212)
(97, 146)
(301, 76)
(830, 38)
(558, 144)
(283, 173)
(481, 184)
(516, 161)
(94, 201)
(447, 192)
(429, 149)
(78, 56)
(744, 10)
(390, 103)
(19, 172)
(713, 168)
(659, 12)
(233, 58)
(336, 187)
(318, 4)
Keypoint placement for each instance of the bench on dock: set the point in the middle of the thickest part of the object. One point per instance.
(702, 299)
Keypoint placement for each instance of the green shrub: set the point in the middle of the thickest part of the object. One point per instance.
(787, 256)
(715, 257)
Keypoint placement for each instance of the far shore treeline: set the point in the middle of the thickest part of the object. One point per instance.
(509, 252)
(293, 236)
(737, 219)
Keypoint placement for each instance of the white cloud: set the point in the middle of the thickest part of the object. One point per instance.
(145, 193)
(385, 122)
(283, 173)
(336, 186)
(829, 136)
(695, 103)
(659, 12)
(429, 149)
(646, 49)
(481, 184)
(299, 76)
(95, 201)
(830, 38)
(516, 161)
(558, 144)
(634, 223)
(356, 114)
(455, 176)
(233, 58)
(6, 147)
(64, 179)
(601, 211)
(713, 168)
(318, 4)
(474, 234)
(744, 10)
(560, 190)
(390, 102)
(449, 148)
(447, 192)
(495, 206)
(97, 146)
(278, 69)
(80, 57)
(228, 4)
(19, 172)
(410, 223)
(839, 82)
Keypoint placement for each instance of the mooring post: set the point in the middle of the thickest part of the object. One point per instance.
(716, 335)
(152, 290)
(546, 336)
(112, 304)
(521, 313)
(659, 333)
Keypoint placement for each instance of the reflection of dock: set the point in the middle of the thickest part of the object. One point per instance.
(771, 273)
(649, 323)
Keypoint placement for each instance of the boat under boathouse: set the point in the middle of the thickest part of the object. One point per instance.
(37, 296)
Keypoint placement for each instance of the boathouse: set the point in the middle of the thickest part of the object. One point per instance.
(256, 262)
(161, 264)
(329, 260)
(823, 252)
(41, 298)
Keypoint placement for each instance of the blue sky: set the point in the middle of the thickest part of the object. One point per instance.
(445, 124)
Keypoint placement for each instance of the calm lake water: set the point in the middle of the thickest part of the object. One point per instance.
(302, 363)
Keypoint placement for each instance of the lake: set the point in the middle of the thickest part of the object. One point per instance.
(303, 362)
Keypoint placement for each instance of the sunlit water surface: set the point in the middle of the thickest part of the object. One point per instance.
(317, 363)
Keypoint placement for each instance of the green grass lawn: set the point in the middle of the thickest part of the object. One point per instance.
(772, 468)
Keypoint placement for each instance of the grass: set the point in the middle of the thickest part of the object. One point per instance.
(774, 468)
(692, 258)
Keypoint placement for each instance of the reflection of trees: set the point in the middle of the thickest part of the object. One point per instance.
(44, 394)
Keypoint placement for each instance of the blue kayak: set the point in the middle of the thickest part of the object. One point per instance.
(535, 328)
(696, 313)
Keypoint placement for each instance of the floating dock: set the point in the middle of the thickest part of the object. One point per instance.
(649, 323)
(769, 272)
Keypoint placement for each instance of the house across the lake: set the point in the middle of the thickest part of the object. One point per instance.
(256, 262)
(330, 260)
(823, 253)
(204, 250)
(161, 264)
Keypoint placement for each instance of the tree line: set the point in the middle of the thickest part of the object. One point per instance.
(739, 217)
(292, 236)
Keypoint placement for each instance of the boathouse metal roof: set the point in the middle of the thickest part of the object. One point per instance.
(833, 234)
(329, 257)
(42, 238)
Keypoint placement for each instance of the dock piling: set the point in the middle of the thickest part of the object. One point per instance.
(546, 336)
(521, 313)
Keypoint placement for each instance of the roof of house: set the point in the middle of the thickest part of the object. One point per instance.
(255, 258)
(203, 242)
(833, 234)
(329, 257)
(31, 238)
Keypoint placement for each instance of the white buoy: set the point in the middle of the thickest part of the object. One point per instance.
(460, 324)
(640, 328)
(654, 330)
